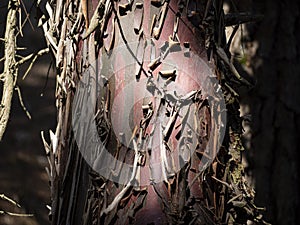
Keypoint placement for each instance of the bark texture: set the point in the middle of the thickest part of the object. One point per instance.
(10, 72)
(276, 110)
(81, 34)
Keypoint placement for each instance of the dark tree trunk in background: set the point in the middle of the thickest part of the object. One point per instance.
(276, 110)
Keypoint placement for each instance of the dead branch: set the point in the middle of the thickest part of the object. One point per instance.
(10, 71)
(239, 18)
(27, 58)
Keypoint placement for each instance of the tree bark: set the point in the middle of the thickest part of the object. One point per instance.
(86, 37)
(10, 72)
(276, 110)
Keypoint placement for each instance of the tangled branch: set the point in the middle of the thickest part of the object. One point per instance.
(10, 72)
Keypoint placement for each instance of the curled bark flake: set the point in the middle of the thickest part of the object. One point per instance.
(170, 125)
(162, 16)
(167, 73)
(109, 35)
(101, 12)
(140, 51)
(153, 22)
(84, 7)
(156, 3)
(124, 8)
(120, 196)
(138, 17)
(154, 64)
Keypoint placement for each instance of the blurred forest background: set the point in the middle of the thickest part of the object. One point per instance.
(268, 51)
(22, 156)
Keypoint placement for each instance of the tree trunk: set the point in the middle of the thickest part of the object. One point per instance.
(141, 115)
(276, 110)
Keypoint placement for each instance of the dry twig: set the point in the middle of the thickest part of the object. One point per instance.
(2, 212)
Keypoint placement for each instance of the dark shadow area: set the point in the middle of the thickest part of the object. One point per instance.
(276, 110)
(273, 150)
(22, 156)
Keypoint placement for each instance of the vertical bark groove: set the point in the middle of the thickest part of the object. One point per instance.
(275, 131)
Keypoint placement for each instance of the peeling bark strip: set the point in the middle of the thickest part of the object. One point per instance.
(10, 71)
(218, 195)
(161, 20)
(84, 7)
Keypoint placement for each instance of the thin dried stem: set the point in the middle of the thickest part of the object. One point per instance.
(15, 214)
(22, 103)
(35, 56)
(26, 18)
(4, 197)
